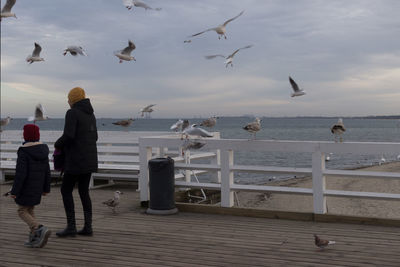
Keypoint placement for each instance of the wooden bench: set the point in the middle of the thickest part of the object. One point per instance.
(118, 154)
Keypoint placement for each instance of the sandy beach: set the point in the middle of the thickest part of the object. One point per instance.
(336, 205)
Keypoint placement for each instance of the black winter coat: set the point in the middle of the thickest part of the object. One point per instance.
(79, 139)
(32, 174)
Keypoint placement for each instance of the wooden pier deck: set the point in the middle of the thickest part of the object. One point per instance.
(133, 238)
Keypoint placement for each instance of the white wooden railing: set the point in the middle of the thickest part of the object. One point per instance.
(225, 167)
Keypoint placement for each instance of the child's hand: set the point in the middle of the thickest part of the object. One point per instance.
(13, 196)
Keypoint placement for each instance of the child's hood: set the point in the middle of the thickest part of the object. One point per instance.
(36, 150)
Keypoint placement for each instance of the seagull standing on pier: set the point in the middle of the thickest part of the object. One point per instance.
(35, 54)
(131, 3)
(321, 243)
(296, 90)
(338, 129)
(75, 50)
(253, 127)
(229, 59)
(124, 123)
(125, 54)
(6, 11)
(113, 202)
(39, 114)
(221, 29)
(4, 122)
(210, 122)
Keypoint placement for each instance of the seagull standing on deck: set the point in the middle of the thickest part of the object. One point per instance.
(253, 127)
(125, 54)
(39, 114)
(131, 3)
(321, 243)
(296, 90)
(6, 11)
(229, 59)
(221, 29)
(35, 54)
(113, 202)
(338, 129)
(75, 50)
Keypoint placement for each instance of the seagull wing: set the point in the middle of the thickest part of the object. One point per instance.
(128, 3)
(148, 107)
(7, 7)
(213, 56)
(211, 29)
(294, 84)
(36, 51)
(127, 50)
(39, 111)
(237, 50)
(229, 20)
(141, 4)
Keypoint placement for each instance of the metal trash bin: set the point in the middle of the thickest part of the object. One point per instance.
(162, 186)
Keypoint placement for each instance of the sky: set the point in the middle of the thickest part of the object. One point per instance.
(344, 53)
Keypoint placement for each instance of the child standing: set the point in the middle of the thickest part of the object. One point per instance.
(32, 180)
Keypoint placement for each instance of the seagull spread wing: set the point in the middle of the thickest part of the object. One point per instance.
(229, 20)
(237, 50)
(127, 50)
(39, 111)
(211, 29)
(294, 84)
(149, 106)
(36, 51)
(7, 7)
(213, 56)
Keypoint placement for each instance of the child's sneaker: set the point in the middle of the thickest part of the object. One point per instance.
(41, 236)
(28, 243)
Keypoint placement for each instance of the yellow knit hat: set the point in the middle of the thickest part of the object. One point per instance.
(76, 94)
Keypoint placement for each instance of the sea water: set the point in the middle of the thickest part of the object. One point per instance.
(299, 129)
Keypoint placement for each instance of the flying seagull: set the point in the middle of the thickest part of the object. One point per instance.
(124, 123)
(35, 54)
(130, 3)
(125, 54)
(39, 114)
(147, 109)
(6, 11)
(253, 127)
(338, 129)
(196, 131)
(177, 125)
(296, 89)
(210, 122)
(221, 29)
(321, 243)
(75, 50)
(229, 58)
(188, 144)
(5, 122)
(113, 202)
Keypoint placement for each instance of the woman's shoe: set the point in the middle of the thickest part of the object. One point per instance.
(86, 231)
(69, 231)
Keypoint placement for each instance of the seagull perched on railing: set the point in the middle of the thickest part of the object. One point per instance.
(210, 122)
(221, 29)
(35, 54)
(338, 129)
(196, 131)
(321, 243)
(130, 3)
(5, 122)
(113, 202)
(177, 125)
(125, 54)
(6, 11)
(229, 59)
(39, 114)
(253, 127)
(124, 123)
(296, 90)
(75, 50)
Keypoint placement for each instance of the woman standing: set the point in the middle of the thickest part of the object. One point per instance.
(78, 142)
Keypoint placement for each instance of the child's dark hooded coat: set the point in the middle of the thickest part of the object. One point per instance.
(32, 174)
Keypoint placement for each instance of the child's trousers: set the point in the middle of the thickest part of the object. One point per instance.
(27, 215)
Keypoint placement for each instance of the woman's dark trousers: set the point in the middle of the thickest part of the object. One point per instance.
(67, 187)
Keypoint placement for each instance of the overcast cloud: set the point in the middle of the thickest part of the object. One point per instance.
(344, 53)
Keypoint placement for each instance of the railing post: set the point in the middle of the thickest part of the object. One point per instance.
(227, 199)
(188, 173)
(145, 154)
(2, 177)
(318, 181)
